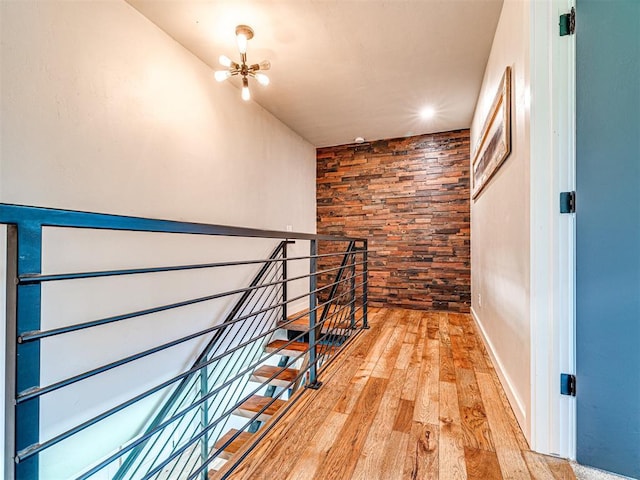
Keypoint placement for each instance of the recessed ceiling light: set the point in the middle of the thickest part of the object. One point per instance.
(358, 140)
(427, 113)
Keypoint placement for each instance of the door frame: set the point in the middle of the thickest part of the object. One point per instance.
(552, 235)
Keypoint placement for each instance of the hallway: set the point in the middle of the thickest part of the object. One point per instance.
(414, 397)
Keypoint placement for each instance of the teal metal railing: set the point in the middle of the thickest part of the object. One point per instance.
(188, 420)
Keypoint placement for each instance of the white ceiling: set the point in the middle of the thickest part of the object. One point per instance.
(343, 69)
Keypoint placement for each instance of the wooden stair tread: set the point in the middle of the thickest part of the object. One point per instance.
(283, 378)
(256, 403)
(299, 323)
(296, 348)
(291, 350)
(234, 446)
(302, 325)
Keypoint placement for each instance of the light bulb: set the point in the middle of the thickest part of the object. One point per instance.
(265, 65)
(242, 42)
(262, 79)
(428, 113)
(222, 75)
(225, 61)
(246, 94)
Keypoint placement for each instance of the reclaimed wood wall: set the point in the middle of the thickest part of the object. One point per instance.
(410, 198)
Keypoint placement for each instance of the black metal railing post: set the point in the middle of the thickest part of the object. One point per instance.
(204, 418)
(313, 310)
(284, 281)
(352, 297)
(365, 283)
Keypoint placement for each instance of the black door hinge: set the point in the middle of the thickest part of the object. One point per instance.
(567, 202)
(568, 384)
(568, 23)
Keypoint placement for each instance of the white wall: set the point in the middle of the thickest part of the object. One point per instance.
(500, 247)
(102, 111)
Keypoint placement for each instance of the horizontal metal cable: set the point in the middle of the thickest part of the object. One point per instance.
(34, 335)
(39, 391)
(28, 278)
(31, 450)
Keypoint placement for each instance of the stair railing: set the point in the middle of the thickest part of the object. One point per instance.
(183, 433)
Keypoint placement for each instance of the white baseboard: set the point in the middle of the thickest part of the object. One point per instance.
(507, 384)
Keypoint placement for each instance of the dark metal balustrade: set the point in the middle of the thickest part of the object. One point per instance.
(204, 409)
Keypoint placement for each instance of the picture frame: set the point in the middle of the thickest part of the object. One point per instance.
(494, 145)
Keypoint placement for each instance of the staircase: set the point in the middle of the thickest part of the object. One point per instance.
(283, 379)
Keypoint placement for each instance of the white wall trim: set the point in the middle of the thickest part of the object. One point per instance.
(552, 294)
(514, 399)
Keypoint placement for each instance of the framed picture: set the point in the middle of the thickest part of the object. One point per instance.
(495, 140)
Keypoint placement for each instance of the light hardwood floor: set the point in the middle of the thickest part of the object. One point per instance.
(414, 397)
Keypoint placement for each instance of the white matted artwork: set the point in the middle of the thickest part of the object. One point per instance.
(495, 141)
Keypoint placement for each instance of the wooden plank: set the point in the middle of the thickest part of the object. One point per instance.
(559, 467)
(255, 403)
(421, 460)
(389, 355)
(395, 451)
(460, 352)
(415, 364)
(475, 428)
(292, 350)
(452, 457)
(341, 458)
(447, 370)
(433, 326)
(274, 375)
(404, 356)
(481, 465)
(313, 455)
(506, 444)
(404, 416)
(537, 466)
(369, 461)
(376, 351)
(444, 330)
(235, 444)
(427, 395)
(508, 411)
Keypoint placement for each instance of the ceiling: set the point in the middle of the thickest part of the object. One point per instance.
(344, 69)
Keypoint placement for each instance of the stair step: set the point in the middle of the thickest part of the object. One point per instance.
(296, 348)
(256, 403)
(292, 350)
(302, 325)
(283, 378)
(234, 446)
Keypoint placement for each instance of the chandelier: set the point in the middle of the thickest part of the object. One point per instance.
(243, 35)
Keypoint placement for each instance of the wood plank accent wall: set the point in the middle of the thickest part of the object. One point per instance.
(410, 197)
